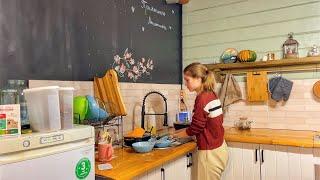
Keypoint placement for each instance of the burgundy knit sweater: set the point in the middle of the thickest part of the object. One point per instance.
(207, 121)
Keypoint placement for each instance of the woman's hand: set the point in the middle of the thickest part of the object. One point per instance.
(182, 133)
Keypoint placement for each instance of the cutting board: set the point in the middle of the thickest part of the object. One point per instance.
(257, 86)
(316, 89)
(108, 90)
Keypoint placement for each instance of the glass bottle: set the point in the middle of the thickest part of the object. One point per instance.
(21, 85)
(183, 114)
(9, 94)
(182, 104)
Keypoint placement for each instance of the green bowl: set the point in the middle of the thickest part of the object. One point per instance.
(80, 108)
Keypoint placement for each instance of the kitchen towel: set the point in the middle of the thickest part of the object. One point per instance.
(280, 88)
(230, 91)
(273, 83)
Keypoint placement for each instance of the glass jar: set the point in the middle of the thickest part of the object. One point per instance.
(9, 94)
(12, 93)
(20, 86)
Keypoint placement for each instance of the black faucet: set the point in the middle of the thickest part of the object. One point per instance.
(143, 112)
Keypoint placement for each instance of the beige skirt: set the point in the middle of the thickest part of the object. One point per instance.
(211, 163)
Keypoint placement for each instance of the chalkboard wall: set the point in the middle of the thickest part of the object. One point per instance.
(80, 39)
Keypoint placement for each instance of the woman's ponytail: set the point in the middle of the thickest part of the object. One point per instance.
(198, 70)
(208, 84)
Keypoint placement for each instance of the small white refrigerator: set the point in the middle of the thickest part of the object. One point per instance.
(61, 155)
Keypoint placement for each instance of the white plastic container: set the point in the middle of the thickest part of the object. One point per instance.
(66, 107)
(43, 108)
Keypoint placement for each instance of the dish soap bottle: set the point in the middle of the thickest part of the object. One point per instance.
(183, 114)
(182, 104)
(152, 124)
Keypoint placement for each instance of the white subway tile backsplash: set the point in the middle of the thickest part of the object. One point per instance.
(132, 94)
(300, 112)
(314, 127)
(259, 125)
(312, 121)
(314, 108)
(276, 126)
(294, 108)
(296, 114)
(239, 108)
(276, 114)
(299, 127)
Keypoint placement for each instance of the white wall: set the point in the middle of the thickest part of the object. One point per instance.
(211, 26)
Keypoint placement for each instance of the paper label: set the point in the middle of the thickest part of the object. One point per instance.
(10, 119)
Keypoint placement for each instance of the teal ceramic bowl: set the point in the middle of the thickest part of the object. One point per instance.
(143, 147)
(94, 111)
(163, 143)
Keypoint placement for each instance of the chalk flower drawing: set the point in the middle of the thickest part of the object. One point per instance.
(127, 66)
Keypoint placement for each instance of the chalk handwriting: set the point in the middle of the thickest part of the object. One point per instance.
(156, 24)
(151, 9)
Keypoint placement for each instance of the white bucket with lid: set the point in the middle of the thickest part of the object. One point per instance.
(43, 108)
(66, 107)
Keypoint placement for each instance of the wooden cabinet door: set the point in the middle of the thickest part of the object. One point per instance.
(175, 170)
(300, 163)
(307, 164)
(286, 163)
(151, 175)
(194, 167)
(181, 168)
(178, 169)
(191, 163)
(168, 171)
(269, 162)
(243, 163)
(155, 174)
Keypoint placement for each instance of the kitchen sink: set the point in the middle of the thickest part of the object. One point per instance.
(183, 140)
(180, 141)
(177, 142)
(164, 147)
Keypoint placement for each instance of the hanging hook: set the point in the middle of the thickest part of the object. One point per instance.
(277, 74)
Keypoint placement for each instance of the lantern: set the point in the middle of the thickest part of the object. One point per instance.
(290, 47)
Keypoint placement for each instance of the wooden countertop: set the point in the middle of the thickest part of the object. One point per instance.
(129, 164)
(273, 137)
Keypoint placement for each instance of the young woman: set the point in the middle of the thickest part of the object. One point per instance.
(206, 125)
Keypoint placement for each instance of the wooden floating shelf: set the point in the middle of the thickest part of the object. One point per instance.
(272, 66)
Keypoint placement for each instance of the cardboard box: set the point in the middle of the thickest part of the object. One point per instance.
(10, 123)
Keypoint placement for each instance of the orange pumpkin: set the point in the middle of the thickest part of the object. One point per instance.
(183, 1)
(247, 56)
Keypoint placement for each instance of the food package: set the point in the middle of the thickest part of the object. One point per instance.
(10, 123)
